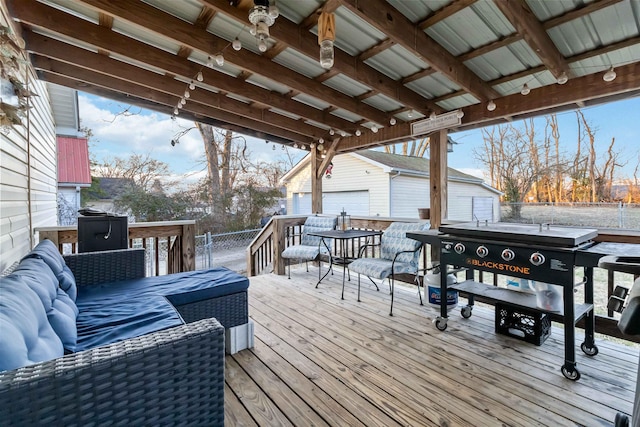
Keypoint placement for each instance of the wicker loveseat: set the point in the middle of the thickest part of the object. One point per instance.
(165, 366)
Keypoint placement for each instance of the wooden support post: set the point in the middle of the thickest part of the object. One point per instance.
(188, 247)
(316, 183)
(279, 228)
(438, 182)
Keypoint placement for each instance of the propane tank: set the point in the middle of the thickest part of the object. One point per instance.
(432, 281)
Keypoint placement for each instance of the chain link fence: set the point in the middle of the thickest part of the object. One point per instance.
(600, 215)
(224, 249)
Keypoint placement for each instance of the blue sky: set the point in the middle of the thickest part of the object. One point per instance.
(145, 131)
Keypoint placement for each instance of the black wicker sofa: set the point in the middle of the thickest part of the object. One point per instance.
(154, 355)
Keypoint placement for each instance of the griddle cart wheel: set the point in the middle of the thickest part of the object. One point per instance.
(621, 420)
(466, 311)
(589, 351)
(570, 373)
(441, 323)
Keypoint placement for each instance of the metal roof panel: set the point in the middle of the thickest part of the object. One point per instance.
(353, 34)
(397, 62)
(383, 102)
(300, 63)
(505, 61)
(347, 115)
(472, 27)
(312, 101)
(268, 83)
(458, 102)
(347, 85)
(141, 34)
(187, 10)
(417, 10)
(298, 10)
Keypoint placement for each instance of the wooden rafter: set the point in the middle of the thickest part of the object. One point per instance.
(445, 12)
(306, 43)
(389, 20)
(527, 25)
(234, 112)
(182, 32)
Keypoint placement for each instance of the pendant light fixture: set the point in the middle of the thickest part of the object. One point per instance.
(262, 16)
(326, 36)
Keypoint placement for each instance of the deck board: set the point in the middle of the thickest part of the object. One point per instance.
(320, 360)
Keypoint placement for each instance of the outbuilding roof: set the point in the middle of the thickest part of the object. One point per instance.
(73, 161)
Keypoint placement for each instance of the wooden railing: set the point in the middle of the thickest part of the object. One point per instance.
(282, 231)
(176, 237)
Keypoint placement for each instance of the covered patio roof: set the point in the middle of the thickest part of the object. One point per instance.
(394, 59)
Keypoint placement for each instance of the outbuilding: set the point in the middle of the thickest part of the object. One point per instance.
(375, 183)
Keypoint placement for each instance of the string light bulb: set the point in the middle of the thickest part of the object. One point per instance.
(295, 145)
(321, 147)
(187, 95)
(410, 114)
(433, 115)
(343, 133)
(209, 62)
(236, 44)
(358, 133)
(176, 111)
(262, 46)
(525, 89)
(332, 132)
(610, 75)
(460, 114)
(303, 147)
(491, 106)
(199, 76)
(563, 78)
(274, 12)
(219, 59)
(192, 85)
(374, 129)
(321, 141)
(392, 121)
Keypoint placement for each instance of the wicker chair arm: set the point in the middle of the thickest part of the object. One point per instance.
(170, 377)
(93, 268)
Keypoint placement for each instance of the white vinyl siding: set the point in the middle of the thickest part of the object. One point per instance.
(460, 201)
(27, 150)
(353, 203)
(408, 193)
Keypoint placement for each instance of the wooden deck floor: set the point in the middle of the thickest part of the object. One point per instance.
(321, 361)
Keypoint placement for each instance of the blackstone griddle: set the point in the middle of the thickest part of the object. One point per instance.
(545, 234)
(543, 253)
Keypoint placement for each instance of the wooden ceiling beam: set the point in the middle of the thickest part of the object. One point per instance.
(168, 100)
(445, 12)
(398, 27)
(579, 12)
(150, 105)
(528, 25)
(167, 25)
(420, 74)
(49, 47)
(490, 47)
(590, 89)
(374, 50)
(306, 43)
(104, 38)
(63, 56)
(311, 21)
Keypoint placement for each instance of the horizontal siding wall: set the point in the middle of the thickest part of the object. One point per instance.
(408, 193)
(348, 174)
(460, 201)
(27, 150)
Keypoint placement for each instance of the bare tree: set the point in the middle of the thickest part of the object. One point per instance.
(513, 170)
(416, 148)
(141, 169)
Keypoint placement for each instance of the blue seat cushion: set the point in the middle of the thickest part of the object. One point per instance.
(112, 312)
(47, 251)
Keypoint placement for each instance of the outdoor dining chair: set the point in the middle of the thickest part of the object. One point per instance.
(398, 254)
(309, 248)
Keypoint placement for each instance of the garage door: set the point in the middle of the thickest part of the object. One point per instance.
(353, 202)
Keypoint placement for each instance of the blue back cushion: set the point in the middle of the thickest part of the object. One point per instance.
(26, 336)
(60, 310)
(316, 223)
(47, 251)
(394, 240)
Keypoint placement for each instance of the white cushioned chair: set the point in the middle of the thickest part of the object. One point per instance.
(398, 254)
(310, 248)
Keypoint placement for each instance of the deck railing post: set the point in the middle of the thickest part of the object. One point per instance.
(188, 247)
(278, 246)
